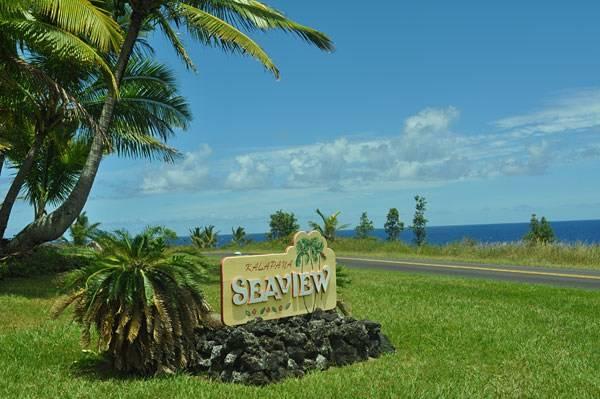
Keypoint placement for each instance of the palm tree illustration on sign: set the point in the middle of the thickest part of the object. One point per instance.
(309, 251)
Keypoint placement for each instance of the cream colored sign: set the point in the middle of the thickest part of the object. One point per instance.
(279, 285)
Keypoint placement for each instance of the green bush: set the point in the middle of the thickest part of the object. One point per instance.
(46, 259)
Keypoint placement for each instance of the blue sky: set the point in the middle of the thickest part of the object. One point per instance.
(490, 110)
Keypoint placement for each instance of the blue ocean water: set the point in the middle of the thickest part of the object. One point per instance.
(585, 231)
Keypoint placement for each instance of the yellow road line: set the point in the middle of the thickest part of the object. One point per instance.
(464, 267)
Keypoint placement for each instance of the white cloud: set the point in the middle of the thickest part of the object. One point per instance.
(427, 151)
(575, 110)
(430, 120)
(189, 174)
(251, 173)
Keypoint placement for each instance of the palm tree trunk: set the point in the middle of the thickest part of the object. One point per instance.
(2, 158)
(53, 226)
(17, 183)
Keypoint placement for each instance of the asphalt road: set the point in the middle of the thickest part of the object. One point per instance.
(572, 277)
(580, 278)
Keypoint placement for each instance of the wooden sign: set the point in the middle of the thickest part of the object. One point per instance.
(279, 285)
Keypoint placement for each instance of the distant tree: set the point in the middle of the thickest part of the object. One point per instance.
(82, 232)
(238, 236)
(419, 221)
(331, 225)
(393, 226)
(540, 231)
(205, 237)
(282, 225)
(365, 226)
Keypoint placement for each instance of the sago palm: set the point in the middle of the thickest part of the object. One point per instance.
(143, 303)
(216, 23)
(331, 225)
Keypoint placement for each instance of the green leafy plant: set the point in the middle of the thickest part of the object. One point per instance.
(143, 303)
(238, 236)
(540, 231)
(331, 225)
(82, 232)
(282, 225)
(205, 237)
(365, 227)
(393, 226)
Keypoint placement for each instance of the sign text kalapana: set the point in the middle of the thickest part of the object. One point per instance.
(279, 285)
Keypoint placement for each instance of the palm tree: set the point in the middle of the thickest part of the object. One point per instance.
(238, 236)
(74, 30)
(330, 225)
(82, 231)
(204, 238)
(143, 303)
(148, 112)
(211, 22)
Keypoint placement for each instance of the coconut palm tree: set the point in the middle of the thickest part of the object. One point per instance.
(143, 303)
(82, 232)
(73, 30)
(217, 23)
(330, 225)
(76, 30)
(205, 237)
(238, 236)
(148, 112)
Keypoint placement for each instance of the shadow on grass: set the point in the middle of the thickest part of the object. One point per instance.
(95, 368)
(98, 368)
(38, 287)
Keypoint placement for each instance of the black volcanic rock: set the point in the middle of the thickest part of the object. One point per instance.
(262, 352)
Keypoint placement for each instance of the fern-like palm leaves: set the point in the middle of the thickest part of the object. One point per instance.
(143, 303)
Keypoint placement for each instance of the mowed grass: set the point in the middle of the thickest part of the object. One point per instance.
(584, 256)
(454, 338)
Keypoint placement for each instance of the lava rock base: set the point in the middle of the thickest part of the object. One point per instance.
(262, 352)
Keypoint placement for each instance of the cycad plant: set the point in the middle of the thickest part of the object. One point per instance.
(143, 303)
(331, 225)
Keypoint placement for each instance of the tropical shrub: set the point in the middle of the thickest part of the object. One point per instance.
(45, 260)
(540, 231)
(143, 303)
(282, 225)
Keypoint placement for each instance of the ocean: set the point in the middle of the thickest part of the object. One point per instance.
(584, 231)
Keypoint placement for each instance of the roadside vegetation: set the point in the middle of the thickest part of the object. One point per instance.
(518, 253)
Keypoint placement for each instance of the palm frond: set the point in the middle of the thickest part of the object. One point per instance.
(255, 15)
(213, 31)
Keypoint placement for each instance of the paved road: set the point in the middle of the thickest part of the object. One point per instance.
(579, 278)
(572, 277)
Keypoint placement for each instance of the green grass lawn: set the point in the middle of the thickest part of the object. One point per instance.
(454, 338)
